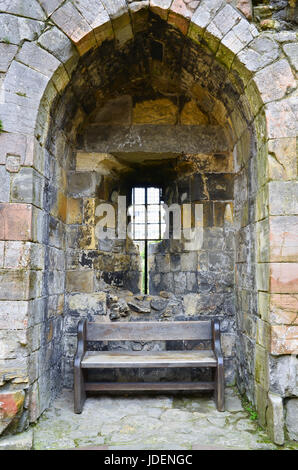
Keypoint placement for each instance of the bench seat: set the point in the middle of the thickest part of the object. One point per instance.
(135, 359)
(206, 330)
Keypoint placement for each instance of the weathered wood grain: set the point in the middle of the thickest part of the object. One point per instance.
(149, 331)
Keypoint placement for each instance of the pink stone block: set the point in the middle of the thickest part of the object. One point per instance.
(15, 221)
(284, 238)
(11, 404)
(284, 278)
(284, 309)
(245, 6)
(179, 21)
(184, 8)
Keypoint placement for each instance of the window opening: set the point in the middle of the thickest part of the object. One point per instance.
(147, 223)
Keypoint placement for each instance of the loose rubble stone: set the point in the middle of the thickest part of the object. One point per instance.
(140, 307)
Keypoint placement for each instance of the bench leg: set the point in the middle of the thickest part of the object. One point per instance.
(220, 388)
(79, 390)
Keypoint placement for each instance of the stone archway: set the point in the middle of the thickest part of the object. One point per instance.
(260, 95)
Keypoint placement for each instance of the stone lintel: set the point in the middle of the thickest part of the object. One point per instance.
(155, 139)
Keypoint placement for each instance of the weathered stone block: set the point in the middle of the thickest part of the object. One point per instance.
(284, 339)
(189, 261)
(287, 201)
(56, 282)
(74, 211)
(205, 12)
(13, 344)
(283, 238)
(191, 303)
(284, 375)
(74, 25)
(262, 202)
(118, 12)
(50, 5)
(275, 81)
(40, 226)
(226, 19)
(98, 17)
(83, 184)
(262, 367)
(2, 246)
(262, 276)
(24, 86)
(42, 61)
(58, 44)
(88, 303)
(29, 9)
(275, 418)
(156, 139)
(79, 281)
(220, 187)
(261, 399)
(282, 159)
(292, 418)
(261, 52)
(12, 145)
(17, 255)
(4, 184)
(34, 398)
(27, 186)
(263, 244)
(192, 115)
(161, 111)
(160, 7)
(15, 28)
(263, 334)
(14, 285)
(7, 53)
(13, 315)
(115, 8)
(281, 117)
(116, 111)
(292, 52)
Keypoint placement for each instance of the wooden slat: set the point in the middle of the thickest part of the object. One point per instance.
(149, 331)
(140, 359)
(145, 386)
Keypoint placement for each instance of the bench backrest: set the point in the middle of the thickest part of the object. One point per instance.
(149, 331)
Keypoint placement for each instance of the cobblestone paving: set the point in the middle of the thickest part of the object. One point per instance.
(149, 422)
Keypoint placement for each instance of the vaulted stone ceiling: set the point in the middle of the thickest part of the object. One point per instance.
(159, 63)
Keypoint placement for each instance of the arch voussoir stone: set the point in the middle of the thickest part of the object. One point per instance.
(75, 26)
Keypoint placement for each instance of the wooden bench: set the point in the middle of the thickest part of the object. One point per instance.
(147, 331)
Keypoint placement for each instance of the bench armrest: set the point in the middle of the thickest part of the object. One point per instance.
(216, 341)
(81, 346)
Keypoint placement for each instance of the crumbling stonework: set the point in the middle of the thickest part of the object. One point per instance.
(88, 91)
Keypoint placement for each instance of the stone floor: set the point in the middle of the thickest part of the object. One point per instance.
(149, 422)
(144, 422)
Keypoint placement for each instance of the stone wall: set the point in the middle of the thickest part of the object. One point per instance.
(60, 61)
